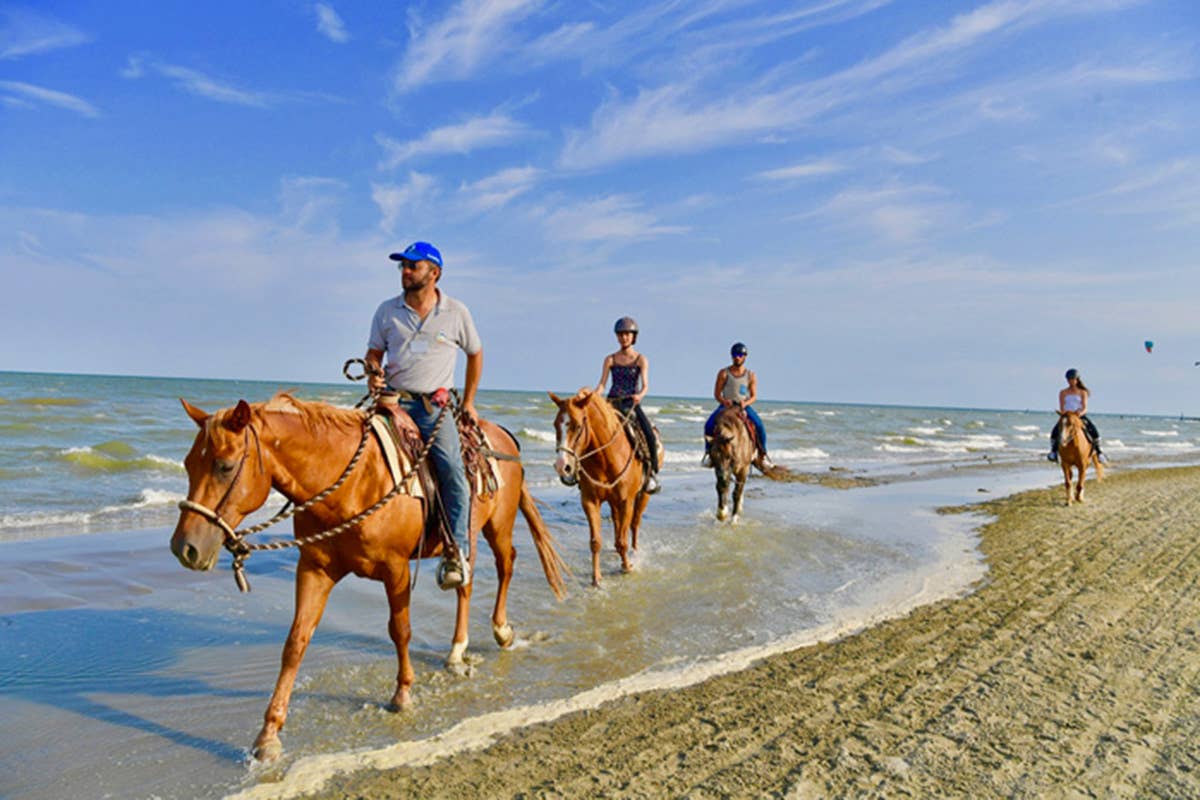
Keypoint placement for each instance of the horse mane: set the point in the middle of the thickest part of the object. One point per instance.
(587, 398)
(315, 416)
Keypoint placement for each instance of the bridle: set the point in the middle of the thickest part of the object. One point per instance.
(582, 438)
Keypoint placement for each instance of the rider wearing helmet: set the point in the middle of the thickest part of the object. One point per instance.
(630, 380)
(1074, 398)
(737, 386)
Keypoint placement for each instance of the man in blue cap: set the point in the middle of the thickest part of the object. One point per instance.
(421, 331)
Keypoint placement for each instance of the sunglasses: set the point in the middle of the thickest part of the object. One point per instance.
(739, 355)
(406, 264)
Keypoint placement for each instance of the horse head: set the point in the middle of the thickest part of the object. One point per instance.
(226, 481)
(570, 433)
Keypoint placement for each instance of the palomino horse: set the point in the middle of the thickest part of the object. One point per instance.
(732, 453)
(594, 452)
(1074, 452)
(300, 449)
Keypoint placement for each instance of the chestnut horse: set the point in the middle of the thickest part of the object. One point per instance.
(732, 452)
(594, 452)
(302, 448)
(1074, 452)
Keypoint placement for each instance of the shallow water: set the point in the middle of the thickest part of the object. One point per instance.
(123, 675)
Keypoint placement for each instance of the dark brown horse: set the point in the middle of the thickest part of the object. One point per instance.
(732, 453)
(1075, 451)
(594, 452)
(302, 448)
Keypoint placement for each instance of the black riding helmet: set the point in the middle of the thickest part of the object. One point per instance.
(738, 349)
(626, 325)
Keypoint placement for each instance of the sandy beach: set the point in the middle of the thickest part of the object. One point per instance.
(1072, 670)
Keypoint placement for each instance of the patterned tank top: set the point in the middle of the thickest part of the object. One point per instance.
(737, 387)
(625, 380)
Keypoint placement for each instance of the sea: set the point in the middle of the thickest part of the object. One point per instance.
(124, 675)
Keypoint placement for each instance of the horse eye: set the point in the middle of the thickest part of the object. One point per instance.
(223, 467)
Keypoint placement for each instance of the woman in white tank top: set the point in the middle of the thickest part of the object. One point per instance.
(1073, 398)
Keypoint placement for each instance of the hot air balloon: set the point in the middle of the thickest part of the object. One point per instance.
(1149, 346)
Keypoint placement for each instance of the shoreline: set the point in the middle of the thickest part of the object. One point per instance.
(1072, 668)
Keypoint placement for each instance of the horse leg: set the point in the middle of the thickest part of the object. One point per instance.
(591, 509)
(500, 539)
(635, 522)
(738, 489)
(620, 519)
(722, 492)
(1079, 483)
(312, 591)
(1066, 468)
(400, 629)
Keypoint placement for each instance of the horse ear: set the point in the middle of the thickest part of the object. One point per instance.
(557, 400)
(198, 416)
(240, 417)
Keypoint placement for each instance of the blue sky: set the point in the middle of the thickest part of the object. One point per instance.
(931, 203)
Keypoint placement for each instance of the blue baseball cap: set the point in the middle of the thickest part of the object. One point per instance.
(419, 251)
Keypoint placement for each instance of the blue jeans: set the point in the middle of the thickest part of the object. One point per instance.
(446, 453)
(754, 418)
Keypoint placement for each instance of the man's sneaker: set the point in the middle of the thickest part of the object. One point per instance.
(707, 460)
(652, 484)
(1052, 456)
(454, 572)
(766, 462)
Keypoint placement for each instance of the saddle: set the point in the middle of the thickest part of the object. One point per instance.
(401, 442)
(637, 438)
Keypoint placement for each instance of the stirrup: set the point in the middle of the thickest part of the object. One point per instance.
(453, 573)
(652, 486)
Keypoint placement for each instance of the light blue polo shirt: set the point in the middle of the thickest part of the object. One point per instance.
(421, 355)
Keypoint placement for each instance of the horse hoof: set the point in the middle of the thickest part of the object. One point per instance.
(400, 702)
(735, 519)
(503, 634)
(268, 751)
(722, 513)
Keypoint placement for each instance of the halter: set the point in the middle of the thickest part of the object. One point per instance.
(579, 439)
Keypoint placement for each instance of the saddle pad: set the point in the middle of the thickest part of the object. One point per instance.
(397, 462)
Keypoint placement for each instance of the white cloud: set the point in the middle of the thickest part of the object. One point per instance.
(393, 199)
(699, 113)
(808, 169)
(898, 213)
(497, 190)
(330, 25)
(198, 83)
(491, 131)
(606, 219)
(24, 33)
(26, 95)
(475, 32)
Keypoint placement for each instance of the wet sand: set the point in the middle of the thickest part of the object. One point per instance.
(1072, 670)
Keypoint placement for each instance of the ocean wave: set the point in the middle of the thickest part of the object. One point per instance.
(116, 457)
(51, 401)
(799, 454)
(1159, 433)
(538, 435)
(960, 444)
(146, 498)
(926, 431)
(1026, 428)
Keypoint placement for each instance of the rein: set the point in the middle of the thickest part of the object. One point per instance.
(585, 430)
(235, 540)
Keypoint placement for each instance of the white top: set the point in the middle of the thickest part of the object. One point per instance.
(1072, 402)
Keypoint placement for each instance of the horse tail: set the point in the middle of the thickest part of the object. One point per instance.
(1098, 465)
(552, 563)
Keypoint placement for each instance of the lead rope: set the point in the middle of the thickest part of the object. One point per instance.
(235, 540)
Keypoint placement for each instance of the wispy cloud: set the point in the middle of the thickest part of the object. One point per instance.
(610, 218)
(393, 199)
(475, 32)
(24, 33)
(706, 111)
(499, 189)
(807, 169)
(17, 93)
(330, 25)
(491, 131)
(898, 213)
(198, 83)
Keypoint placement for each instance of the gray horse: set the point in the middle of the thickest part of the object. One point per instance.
(732, 454)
